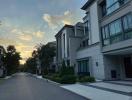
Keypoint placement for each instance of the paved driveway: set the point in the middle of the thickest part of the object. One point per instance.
(27, 87)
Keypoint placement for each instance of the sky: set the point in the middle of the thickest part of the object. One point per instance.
(27, 23)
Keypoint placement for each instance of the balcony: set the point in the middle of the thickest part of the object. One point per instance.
(117, 35)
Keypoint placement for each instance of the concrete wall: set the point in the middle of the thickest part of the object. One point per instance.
(94, 23)
(74, 44)
(114, 63)
(63, 49)
(59, 48)
(95, 56)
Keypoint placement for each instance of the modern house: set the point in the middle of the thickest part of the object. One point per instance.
(88, 56)
(68, 40)
(103, 48)
(115, 17)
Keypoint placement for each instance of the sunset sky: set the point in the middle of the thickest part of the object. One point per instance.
(26, 23)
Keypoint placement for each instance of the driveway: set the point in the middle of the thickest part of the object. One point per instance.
(27, 87)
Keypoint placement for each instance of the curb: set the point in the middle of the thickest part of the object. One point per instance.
(47, 80)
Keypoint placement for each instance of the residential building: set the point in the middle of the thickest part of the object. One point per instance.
(115, 17)
(68, 40)
(103, 48)
(89, 57)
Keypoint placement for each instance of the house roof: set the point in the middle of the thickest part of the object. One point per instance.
(88, 3)
(65, 26)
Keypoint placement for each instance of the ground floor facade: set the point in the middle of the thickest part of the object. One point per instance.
(118, 67)
(114, 62)
(91, 61)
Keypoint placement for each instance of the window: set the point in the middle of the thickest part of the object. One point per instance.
(112, 5)
(84, 43)
(103, 7)
(83, 67)
(117, 30)
(87, 25)
(87, 28)
(115, 27)
(127, 21)
(105, 34)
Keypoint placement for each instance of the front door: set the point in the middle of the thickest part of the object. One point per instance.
(128, 67)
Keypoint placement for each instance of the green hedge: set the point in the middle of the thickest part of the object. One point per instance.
(86, 79)
(68, 79)
(66, 71)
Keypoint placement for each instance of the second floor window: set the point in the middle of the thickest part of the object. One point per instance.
(115, 27)
(118, 30)
(127, 22)
(112, 5)
(87, 26)
(108, 6)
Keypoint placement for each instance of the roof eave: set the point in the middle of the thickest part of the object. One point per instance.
(87, 4)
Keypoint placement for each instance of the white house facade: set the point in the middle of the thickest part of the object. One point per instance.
(89, 56)
(102, 47)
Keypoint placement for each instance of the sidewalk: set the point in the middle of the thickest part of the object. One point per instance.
(101, 91)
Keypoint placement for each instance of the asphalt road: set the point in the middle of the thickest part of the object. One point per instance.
(27, 87)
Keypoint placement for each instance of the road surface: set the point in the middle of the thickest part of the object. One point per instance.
(27, 87)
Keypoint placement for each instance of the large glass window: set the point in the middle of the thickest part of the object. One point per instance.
(115, 27)
(105, 34)
(127, 25)
(83, 67)
(112, 5)
(127, 21)
(87, 25)
(117, 30)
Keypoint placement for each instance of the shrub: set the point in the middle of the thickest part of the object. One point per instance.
(66, 71)
(86, 79)
(68, 79)
(53, 77)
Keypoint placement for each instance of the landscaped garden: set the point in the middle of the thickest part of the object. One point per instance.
(66, 75)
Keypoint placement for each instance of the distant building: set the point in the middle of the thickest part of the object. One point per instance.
(68, 40)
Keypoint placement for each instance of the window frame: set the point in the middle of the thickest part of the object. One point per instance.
(119, 35)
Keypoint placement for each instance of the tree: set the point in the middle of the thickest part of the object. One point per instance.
(2, 55)
(12, 59)
(46, 54)
(31, 65)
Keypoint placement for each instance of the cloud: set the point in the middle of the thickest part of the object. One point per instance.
(57, 20)
(22, 35)
(6, 41)
(26, 51)
(38, 34)
(25, 37)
